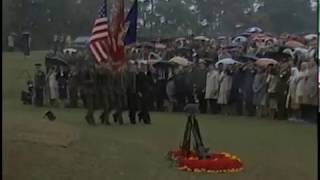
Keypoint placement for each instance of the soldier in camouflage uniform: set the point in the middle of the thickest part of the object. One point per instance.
(73, 87)
(39, 84)
(119, 94)
(132, 92)
(88, 79)
(104, 83)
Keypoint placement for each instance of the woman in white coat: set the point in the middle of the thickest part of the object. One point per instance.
(300, 80)
(292, 103)
(212, 89)
(53, 86)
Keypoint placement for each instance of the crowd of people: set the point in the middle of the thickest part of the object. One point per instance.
(287, 89)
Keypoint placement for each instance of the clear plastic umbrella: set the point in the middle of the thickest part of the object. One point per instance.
(310, 37)
(180, 61)
(202, 38)
(254, 30)
(227, 61)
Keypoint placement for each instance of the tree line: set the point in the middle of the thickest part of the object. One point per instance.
(158, 18)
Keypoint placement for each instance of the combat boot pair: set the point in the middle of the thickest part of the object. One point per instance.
(117, 117)
(90, 120)
(145, 118)
(104, 118)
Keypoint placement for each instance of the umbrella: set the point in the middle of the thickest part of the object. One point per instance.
(304, 54)
(227, 61)
(162, 63)
(239, 39)
(249, 57)
(310, 37)
(289, 52)
(254, 30)
(301, 50)
(265, 62)
(55, 60)
(202, 38)
(181, 39)
(160, 46)
(297, 39)
(221, 37)
(179, 60)
(294, 44)
(245, 34)
(153, 55)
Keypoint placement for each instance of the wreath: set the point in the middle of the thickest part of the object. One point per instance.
(214, 163)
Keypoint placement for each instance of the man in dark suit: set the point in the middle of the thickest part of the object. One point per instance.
(144, 87)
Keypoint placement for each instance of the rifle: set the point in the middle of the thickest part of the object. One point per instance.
(192, 127)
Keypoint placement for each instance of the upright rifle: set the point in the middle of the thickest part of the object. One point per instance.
(192, 127)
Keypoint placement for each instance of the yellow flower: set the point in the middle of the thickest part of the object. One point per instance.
(228, 155)
(182, 168)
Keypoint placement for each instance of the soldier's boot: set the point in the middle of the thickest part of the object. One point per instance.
(106, 118)
(102, 118)
(140, 117)
(115, 117)
(120, 118)
(132, 117)
(147, 119)
(90, 120)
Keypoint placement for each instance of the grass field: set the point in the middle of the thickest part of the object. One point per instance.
(270, 150)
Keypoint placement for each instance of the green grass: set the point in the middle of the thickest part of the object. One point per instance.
(270, 150)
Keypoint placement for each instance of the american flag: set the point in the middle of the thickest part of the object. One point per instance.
(100, 36)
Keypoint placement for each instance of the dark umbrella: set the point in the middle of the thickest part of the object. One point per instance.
(162, 63)
(55, 61)
(246, 58)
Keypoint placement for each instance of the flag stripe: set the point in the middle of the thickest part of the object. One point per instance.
(100, 34)
(101, 20)
(95, 53)
(99, 28)
(101, 50)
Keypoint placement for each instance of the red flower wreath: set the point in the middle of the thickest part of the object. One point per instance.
(215, 163)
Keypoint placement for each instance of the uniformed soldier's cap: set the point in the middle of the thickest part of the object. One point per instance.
(38, 65)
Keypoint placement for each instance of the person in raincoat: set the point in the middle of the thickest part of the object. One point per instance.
(225, 84)
(300, 80)
(144, 87)
(212, 89)
(310, 93)
(53, 86)
(273, 80)
(260, 92)
(292, 104)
